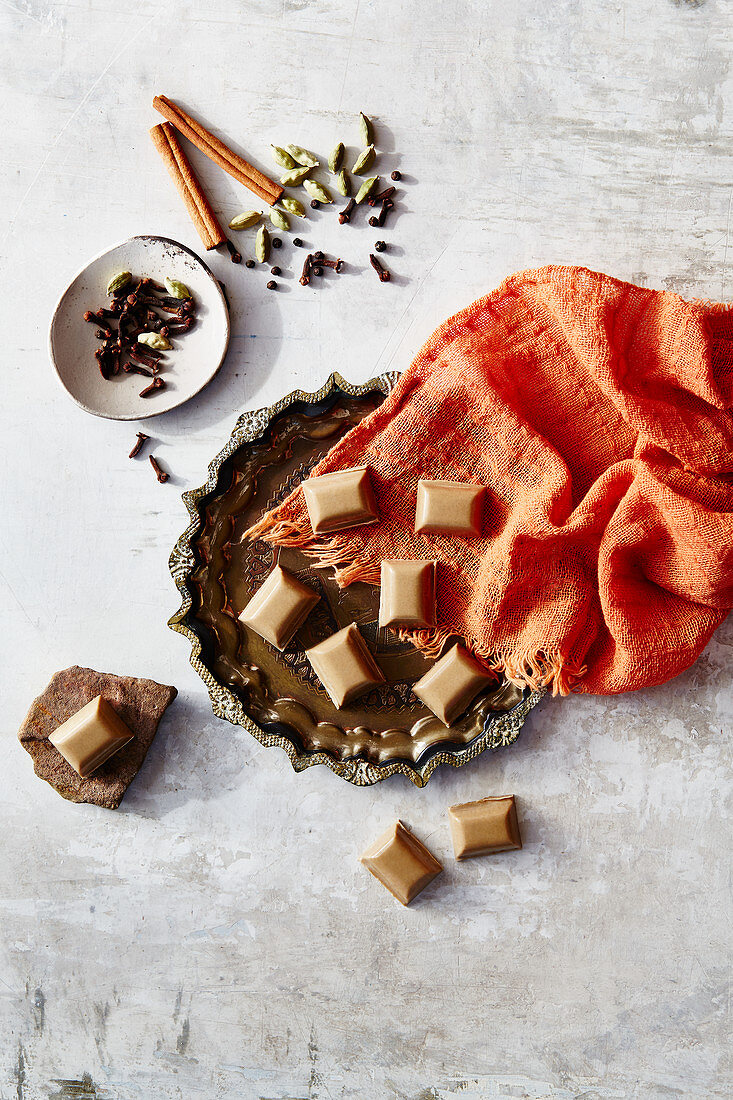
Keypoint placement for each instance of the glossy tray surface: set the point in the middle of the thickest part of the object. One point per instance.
(276, 696)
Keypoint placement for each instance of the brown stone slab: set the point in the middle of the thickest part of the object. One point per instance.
(139, 703)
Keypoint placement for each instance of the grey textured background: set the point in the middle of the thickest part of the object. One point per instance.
(216, 937)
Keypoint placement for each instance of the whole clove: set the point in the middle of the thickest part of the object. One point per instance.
(140, 442)
(305, 278)
(388, 192)
(380, 219)
(155, 385)
(234, 254)
(160, 473)
(382, 272)
(348, 210)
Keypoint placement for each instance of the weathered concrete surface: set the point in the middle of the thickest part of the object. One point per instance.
(217, 937)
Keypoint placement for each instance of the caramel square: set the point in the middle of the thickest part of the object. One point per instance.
(407, 593)
(450, 507)
(91, 736)
(480, 828)
(451, 685)
(345, 666)
(401, 862)
(342, 499)
(279, 607)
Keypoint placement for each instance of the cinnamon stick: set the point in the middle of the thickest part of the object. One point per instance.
(217, 151)
(197, 204)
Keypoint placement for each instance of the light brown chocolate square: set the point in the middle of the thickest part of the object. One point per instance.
(451, 685)
(345, 666)
(449, 507)
(91, 736)
(401, 862)
(279, 607)
(342, 499)
(407, 593)
(480, 828)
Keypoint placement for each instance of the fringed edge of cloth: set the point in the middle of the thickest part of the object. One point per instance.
(534, 668)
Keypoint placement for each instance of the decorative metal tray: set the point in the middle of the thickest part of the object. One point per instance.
(276, 696)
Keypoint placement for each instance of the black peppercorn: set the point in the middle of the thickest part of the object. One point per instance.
(318, 256)
(272, 285)
(297, 242)
(275, 270)
(276, 242)
(396, 175)
(250, 263)
(380, 246)
(317, 270)
(374, 221)
(315, 204)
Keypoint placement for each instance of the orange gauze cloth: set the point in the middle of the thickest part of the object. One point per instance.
(598, 414)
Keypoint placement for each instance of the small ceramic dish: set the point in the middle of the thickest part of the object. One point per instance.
(276, 695)
(194, 360)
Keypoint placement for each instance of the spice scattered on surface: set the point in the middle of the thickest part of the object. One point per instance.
(276, 242)
(380, 246)
(275, 270)
(272, 285)
(396, 175)
(160, 473)
(234, 253)
(297, 242)
(317, 270)
(141, 438)
(315, 204)
(382, 272)
(250, 263)
(347, 211)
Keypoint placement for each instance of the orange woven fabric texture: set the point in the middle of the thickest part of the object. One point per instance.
(598, 414)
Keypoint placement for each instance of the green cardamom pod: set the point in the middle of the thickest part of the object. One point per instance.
(282, 157)
(176, 289)
(245, 220)
(343, 183)
(366, 189)
(317, 191)
(364, 161)
(293, 178)
(262, 244)
(303, 156)
(293, 206)
(154, 340)
(117, 281)
(279, 220)
(366, 130)
(336, 159)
